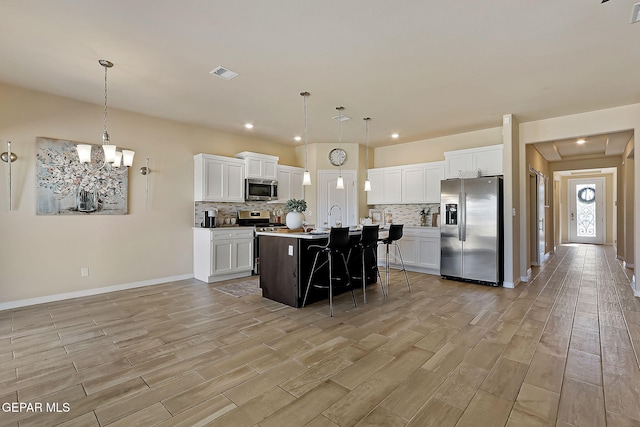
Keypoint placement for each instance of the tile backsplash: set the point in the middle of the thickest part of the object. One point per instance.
(401, 214)
(229, 210)
(409, 214)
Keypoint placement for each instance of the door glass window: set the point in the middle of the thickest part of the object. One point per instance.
(586, 210)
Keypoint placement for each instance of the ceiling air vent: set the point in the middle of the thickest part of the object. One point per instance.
(224, 73)
(341, 118)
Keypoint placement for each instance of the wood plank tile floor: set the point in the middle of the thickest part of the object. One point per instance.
(559, 350)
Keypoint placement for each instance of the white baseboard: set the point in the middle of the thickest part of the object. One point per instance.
(636, 291)
(89, 292)
(527, 277)
(511, 285)
(627, 265)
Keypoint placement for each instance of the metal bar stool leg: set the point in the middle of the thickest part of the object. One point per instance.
(313, 269)
(330, 286)
(346, 269)
(406, 278)
(387, 273)
(364, 278)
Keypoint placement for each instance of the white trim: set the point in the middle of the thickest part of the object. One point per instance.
(511, 285)
(88, 292)
(636, 293)
(527, 277)
(627, 265)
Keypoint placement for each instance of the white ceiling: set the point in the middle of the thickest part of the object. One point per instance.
(420, 68)
(594, 146)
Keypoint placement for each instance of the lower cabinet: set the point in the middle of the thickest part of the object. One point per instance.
(420, 248)
(222, 253)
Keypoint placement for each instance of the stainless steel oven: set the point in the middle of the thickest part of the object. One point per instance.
(260, 189)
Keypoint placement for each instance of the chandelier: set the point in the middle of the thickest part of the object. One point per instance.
(111, 156)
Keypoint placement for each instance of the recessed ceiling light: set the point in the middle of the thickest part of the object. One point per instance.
(248, 125)
(224, 73)
(580, 141)
(298, 138)
(395, 136)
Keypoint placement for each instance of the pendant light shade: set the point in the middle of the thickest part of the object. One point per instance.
(367, 183)
(340, 183)
(84, 153)
(306, 178)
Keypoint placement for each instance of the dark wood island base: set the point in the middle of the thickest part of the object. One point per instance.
(285, 265)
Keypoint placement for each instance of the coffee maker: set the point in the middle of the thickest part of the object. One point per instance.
(210, 218)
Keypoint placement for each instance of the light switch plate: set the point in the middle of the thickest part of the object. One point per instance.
(290, 250)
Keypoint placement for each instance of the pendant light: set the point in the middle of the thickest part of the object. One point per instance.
(340, 182)
(110, 155)
(367, 183)
(306, 178)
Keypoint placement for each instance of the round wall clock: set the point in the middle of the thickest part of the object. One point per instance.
(337, 156)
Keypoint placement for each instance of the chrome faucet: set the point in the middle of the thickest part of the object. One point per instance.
(339, 211)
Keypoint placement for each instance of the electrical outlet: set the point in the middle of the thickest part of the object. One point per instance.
(84, 271)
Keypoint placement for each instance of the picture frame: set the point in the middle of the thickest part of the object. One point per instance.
(376, 216)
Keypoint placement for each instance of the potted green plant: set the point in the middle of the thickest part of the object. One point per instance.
(295, 215)
(424, 214)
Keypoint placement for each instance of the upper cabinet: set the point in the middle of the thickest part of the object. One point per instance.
(486, 159)
(218, 178)
(385, 186)
(259, 165)
(290, 183)
(419, 183)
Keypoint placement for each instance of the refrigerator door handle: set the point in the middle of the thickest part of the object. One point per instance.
(462, 224)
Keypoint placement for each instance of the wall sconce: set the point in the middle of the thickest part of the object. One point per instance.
(145, 171)
(9, 157)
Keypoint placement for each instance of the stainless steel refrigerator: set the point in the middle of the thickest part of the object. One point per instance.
(471, 246)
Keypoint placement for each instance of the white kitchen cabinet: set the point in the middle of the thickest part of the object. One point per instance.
(222, 253)
(408, 184)
(420, 247)
(386, 186)
(487, 159)
(290, 183)
(376, 178)
(413, 184)
(421, 182)
(433, 174)
(259, 165)
(218, 178)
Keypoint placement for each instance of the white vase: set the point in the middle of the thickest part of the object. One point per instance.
(294, 220)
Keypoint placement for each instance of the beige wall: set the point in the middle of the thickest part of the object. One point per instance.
(42, 255)
(539, 163)
(432, 150)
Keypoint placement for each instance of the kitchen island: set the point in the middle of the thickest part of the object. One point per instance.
(286, 261)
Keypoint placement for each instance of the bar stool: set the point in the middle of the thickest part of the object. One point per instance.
(368, 240)
(337, 245)
(395, 234)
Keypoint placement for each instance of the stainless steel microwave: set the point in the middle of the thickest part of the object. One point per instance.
(260, 189)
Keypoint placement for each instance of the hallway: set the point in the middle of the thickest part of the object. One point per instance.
(557, 351)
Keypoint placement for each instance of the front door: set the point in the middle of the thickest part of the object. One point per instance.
(586, 210)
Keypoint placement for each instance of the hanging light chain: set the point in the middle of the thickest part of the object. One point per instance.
(106, 64)
(340, 132)
(306, 148)
(366, 133)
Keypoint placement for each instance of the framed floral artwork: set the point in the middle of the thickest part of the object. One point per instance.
(67, 187)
